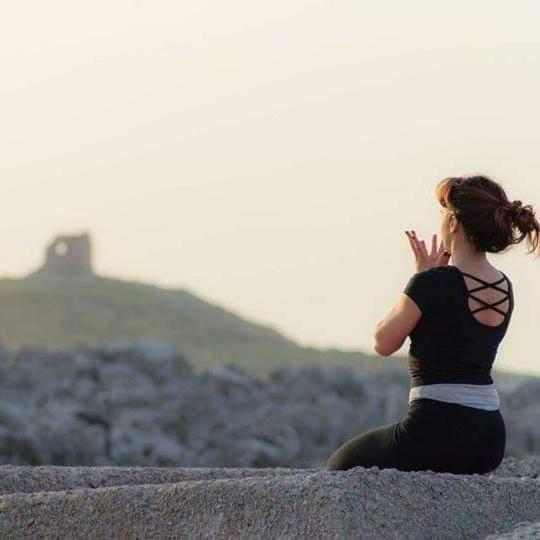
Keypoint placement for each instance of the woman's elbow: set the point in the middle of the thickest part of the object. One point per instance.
(382, 349)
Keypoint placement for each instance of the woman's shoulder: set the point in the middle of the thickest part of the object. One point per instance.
(435, 279)
(436, 273)
(441, 270)
(449, 274)
(427, 287)
(430, 278)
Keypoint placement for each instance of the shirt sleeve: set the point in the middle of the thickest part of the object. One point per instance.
(420, 288)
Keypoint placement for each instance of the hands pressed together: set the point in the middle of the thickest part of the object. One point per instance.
(439, 256)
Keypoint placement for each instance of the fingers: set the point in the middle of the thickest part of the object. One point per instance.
(441, 249)
(437, 251)
(420, 245)
(443, 259)
(412, 243)
(443, 256)
(439, 256)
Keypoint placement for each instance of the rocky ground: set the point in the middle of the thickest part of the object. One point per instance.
(121, 502)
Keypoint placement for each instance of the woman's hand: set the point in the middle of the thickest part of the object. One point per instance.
(439, 256)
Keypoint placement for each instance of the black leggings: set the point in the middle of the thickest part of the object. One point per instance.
(434, 435)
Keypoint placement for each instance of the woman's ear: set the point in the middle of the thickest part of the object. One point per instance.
(454, 223)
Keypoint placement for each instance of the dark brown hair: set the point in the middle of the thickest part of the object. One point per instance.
(490, 221)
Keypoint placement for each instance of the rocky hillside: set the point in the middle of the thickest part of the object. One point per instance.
(142, 403)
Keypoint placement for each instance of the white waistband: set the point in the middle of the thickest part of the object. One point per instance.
(480, 396)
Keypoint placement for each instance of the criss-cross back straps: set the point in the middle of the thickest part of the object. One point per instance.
(485, 285)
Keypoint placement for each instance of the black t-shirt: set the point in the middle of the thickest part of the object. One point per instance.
(449, 344)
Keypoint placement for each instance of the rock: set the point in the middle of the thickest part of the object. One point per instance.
(145, 349)
(231, 375)
(262, 503)
(5, 354)
(153, 350)
(523, 529)
(141, 403)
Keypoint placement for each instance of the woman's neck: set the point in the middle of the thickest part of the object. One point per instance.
(469, 260)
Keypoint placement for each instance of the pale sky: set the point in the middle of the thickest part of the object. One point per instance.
(268, 156)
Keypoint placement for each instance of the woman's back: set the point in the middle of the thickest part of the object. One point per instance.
(456, 340)
(489, 295)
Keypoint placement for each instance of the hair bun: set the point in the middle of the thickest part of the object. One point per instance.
(515, 209)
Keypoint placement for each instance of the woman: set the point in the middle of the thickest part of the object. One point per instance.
(456, 315)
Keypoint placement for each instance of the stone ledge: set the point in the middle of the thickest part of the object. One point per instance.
(27, 479)
(266, 503)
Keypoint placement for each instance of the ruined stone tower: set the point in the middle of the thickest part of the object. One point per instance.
(67, 257)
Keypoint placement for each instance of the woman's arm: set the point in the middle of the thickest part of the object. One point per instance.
(396, 326)
(399, 323)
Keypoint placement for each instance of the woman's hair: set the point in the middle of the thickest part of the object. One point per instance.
(490, 221)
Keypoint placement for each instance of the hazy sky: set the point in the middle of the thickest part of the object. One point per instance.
(267, 156)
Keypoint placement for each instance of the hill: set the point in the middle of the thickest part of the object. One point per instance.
(64, 304)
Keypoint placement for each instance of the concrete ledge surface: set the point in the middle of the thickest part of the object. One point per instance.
(266, 503)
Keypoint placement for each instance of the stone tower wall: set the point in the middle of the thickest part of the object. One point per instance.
(67, 257)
